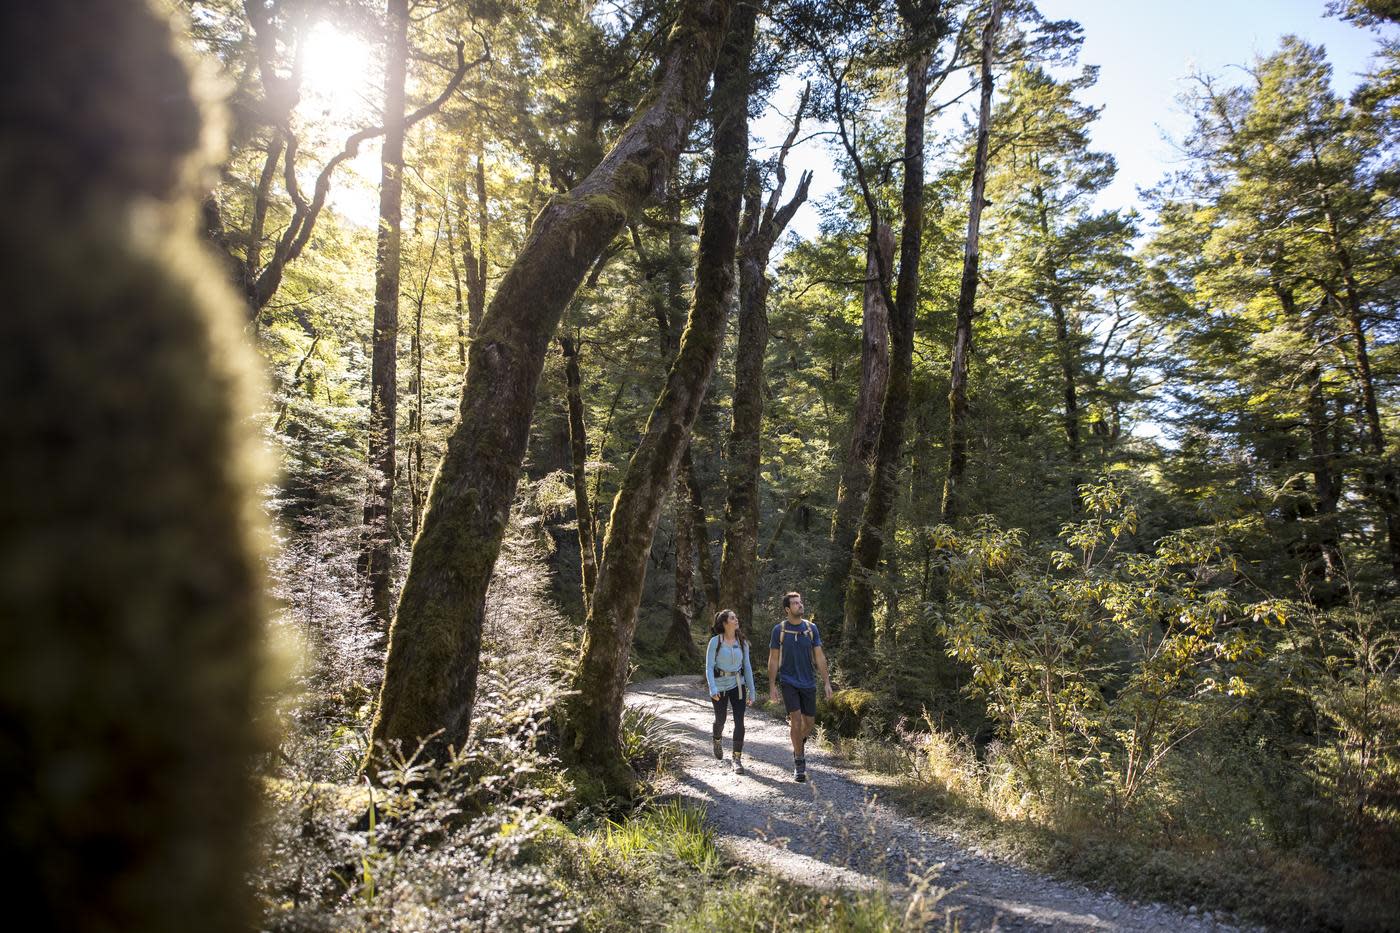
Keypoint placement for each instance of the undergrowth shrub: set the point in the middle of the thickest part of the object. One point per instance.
(1095, 662)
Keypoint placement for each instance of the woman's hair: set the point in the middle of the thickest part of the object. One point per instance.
(718, 627)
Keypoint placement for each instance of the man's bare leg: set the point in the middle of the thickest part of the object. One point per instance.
(796, 731)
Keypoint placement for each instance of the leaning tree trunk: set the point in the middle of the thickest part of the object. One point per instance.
(377, 558)
(858, 624)
(865, 433)
(130, 522)
(434, 647)
(593, 713)
(763, 224)
(967, 292)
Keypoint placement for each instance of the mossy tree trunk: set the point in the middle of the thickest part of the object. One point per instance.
(858, 625)
(967, 290)
(763, 223)
(593, 713)
(131, 672)
(434, 646)
(865, 433)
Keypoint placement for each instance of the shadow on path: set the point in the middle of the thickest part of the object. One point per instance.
(832, 831)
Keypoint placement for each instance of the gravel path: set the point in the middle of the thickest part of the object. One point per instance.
(832, 830)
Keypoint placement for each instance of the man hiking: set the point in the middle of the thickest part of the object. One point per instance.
(794, 658)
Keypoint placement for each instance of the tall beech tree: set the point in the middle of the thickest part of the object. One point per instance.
(593, 712)
(435, 641)
(1061, 254)
(763, 223)
(854, 482)
(925, 26)
(967, 290)
(377, 559)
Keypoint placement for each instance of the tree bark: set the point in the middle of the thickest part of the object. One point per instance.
(700, 530)
(593, 713)
(1325, 574)
(858, 625)
(460, 318)
(854, 484)
(1065, 350)
(132, 693)
(474, 255)
(578, 450)
(764, 223)
(415, 388)
(1382, 481)
(967, 291)
(376, 561)
(678, 636)
(434, 647)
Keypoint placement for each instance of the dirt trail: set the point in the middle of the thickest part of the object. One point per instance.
(831, 832)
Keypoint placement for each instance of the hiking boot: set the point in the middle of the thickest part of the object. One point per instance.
(799, 770)
(739, 763)
(719, 750)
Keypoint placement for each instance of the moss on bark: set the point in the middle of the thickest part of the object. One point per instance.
(130, 565)
(593, 713)
(435, 641)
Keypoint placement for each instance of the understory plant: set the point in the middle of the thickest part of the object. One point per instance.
(1096, 661)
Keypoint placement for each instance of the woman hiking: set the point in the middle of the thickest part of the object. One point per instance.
(729, 673)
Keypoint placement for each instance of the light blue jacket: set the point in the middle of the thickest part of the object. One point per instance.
(730, 659)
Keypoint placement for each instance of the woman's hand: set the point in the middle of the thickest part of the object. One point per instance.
(715, 697)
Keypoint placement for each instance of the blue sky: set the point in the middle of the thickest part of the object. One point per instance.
(1145, 50)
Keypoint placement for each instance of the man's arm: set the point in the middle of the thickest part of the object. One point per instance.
(773, 672)
(819, 657)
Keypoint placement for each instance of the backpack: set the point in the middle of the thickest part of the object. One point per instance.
(737, 675)
(783, 633)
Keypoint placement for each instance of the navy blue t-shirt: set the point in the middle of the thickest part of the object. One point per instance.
(798, 643)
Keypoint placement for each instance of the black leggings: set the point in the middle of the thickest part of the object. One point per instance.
(732, 698)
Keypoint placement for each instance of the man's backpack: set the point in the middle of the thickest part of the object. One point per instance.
(783, 634)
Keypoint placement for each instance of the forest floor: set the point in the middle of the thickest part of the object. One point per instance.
(834, 831)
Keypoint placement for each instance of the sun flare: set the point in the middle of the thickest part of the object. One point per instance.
(340, 76)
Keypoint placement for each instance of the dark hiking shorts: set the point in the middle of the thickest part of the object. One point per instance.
(800, 698)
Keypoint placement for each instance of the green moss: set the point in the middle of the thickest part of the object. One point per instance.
(847, 710)
(133, 675)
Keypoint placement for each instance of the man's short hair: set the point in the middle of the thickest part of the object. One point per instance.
(788, 597)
